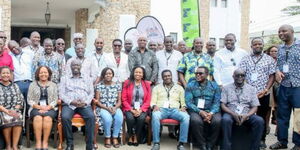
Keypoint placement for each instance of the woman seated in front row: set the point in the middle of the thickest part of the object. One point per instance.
(11, 103)
(108, 94)
(136, 96)
(42, 98)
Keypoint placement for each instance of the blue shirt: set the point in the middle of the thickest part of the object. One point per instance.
(292, 77)
(211, 93)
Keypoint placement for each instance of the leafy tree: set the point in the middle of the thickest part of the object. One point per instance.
(272, 40)
(292, 10)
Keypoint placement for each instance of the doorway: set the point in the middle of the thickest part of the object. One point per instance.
(17, 32)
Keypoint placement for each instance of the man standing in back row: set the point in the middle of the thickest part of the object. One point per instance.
(288, 74)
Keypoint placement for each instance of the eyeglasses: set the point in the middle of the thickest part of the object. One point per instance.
(99, 42)
(199, 73)
(240, 75)
(60, 43)
(233, 62)
(117, 45)
(3, 37)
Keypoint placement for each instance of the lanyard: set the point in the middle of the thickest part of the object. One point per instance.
(98, 59)
(257, 61)
(168, 57)
(202, 89)
(238, 93)
(168, 91)
(286, 55)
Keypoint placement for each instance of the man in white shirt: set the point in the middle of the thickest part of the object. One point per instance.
(35, 45)
(118, 61)
(98, 55)
(23, 66)
(168, 59)
(227, 60)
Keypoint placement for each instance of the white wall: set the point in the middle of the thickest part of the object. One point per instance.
(225, 20)
(168, 13)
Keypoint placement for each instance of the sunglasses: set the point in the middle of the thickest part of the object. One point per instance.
(3, 37)
(199, 73)
(117, 45)
(240, 75)
(99, 42)
(233, 62)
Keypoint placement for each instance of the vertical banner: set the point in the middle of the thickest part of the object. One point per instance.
(190, 20)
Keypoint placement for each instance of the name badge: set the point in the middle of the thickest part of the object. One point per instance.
(166, 104)
(201, 103)
(285, 68)
(137, 105)
(239, 109)
(254, 76)
(43, 103)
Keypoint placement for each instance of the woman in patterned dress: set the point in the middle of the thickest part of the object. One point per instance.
(11, 103)
(108, 94)
(42, 99)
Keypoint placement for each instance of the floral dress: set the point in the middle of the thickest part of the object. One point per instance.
(10, 97)
(108, 97)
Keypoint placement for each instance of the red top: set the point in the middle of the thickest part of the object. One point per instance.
(6, 60)
(127, 92)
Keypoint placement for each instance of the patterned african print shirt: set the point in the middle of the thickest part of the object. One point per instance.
(53, 61)
(258, 69)
(211, 93)
(290, 55)
(190, 61)
(239, 100)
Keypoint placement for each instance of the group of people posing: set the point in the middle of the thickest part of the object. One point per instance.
(205, 92)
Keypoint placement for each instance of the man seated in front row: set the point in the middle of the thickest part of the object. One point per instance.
(77, 92)
(239, 103)
(168, 102)
(202, 98)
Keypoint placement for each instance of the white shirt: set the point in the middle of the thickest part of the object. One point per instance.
(99, 61)
(225, 62)
(23, 65)
(40, 49)
(122, 71)
(168, 61)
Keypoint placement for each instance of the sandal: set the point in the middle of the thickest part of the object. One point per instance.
(116, 143)
(107, 143)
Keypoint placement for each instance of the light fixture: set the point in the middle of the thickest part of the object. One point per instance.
(47, 14)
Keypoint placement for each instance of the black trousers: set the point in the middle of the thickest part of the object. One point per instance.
(262, 111)
(135, 124)
(202, 132)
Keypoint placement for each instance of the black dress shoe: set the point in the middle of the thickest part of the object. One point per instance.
(70, 147)
(129, 143)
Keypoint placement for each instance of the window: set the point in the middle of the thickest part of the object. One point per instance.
(221, 42)
(213, 3)
(174, 36)
(212, 39)
(224, 3)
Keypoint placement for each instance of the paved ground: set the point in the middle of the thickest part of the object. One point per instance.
(166, 142)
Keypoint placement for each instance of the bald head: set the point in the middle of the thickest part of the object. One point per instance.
(286, 34)
(99, 43)
(142, 42)
(211, 47)
(25, 42)
(14, 47)
(128, 45)
(198, 44)
(35, 38)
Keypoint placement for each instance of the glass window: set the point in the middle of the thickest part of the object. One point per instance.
(221, 42)
(224, 3)
(214, 3)
(212, 39)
